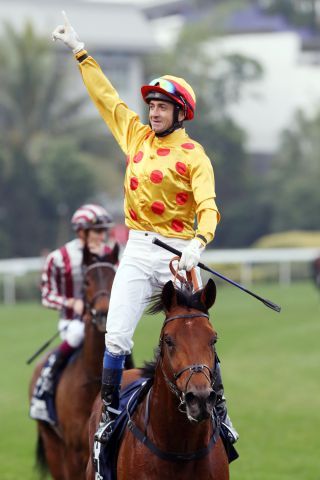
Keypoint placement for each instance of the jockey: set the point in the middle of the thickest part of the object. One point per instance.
(169, 183)
(62, 279)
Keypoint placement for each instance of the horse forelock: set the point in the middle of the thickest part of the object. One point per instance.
(184, 296)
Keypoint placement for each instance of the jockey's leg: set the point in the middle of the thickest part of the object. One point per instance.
(221, 408)
(131, 288)
(73, 337)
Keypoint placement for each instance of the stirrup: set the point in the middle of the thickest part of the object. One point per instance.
(104, 431)
(230, 433)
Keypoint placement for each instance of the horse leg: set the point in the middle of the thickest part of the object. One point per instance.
(50, 452)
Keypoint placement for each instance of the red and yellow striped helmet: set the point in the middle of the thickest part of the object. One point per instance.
(175, 90)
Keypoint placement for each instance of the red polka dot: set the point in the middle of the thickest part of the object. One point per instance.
(162, 152)
(181, 198)
(177, 225)
(127, 159)
(158, 208)
(188, 146)
(134, 182)
(133, 214)
(156, 176)
(181, 168)
(138, 157)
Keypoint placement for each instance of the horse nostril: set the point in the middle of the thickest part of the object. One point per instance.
(212, 398)
(191, 399)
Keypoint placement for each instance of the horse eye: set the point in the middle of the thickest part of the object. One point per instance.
(213, 341)
(168, 340)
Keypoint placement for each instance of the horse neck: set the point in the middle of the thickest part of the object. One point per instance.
(93, 349)
(168, 427)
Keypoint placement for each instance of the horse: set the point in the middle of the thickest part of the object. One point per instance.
(175, 431)
(63, 449)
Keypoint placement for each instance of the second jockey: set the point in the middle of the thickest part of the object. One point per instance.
(62, 280)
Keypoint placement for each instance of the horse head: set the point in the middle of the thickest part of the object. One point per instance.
(99, 273)
(187, 348)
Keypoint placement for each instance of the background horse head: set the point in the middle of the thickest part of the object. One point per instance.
(63, 450)
(174, 433)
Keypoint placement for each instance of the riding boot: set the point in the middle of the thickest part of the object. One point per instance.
(110, 391)
(221, 408)
(56, 361)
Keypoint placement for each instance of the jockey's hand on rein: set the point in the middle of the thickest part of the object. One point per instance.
(191, 255)
(68, 35)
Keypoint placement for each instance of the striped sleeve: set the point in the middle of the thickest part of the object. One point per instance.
(51, 285)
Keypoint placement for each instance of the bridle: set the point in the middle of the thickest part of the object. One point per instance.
(209, 373)
(98, 317)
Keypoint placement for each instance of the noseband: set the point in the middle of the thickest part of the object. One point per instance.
(97, 317)
(209, 373)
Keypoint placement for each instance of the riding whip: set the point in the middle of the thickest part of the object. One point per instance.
(45, 345)
(267, 303)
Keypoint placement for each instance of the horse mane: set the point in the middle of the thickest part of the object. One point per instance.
(184, 298)
(149, 368)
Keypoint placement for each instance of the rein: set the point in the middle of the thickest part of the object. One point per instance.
(194, 368)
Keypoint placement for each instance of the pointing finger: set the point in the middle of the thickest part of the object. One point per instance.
(66, 20)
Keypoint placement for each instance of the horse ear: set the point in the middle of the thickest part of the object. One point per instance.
(114, 255)
(208, 294)
(169, 296)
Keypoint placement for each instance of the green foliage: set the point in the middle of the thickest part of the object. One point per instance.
(295, 177)
(270, 366)
(44, 146)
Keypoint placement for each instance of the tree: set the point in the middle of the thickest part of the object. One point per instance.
(295, 177)
(43, 163)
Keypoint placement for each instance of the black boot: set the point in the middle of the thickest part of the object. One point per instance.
(56, 361)
(110, 403)
(221, 408)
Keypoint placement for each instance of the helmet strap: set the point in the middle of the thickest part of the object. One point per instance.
(176, 123)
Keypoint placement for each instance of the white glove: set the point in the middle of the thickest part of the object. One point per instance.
(68, 35)
(191, 255)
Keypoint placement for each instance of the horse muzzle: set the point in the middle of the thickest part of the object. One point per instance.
(200, 404)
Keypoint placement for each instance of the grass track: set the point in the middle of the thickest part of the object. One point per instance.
(270, 366)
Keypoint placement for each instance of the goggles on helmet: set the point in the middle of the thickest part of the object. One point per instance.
(165, 84)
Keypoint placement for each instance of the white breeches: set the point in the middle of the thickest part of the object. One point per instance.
(143, 267)
(72, 331)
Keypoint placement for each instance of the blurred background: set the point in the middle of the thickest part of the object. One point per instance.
(255, 67)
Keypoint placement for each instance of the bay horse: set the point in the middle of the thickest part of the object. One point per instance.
(175, 432)
(64, 450)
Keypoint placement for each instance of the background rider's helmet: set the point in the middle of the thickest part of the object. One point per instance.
(171, 89)
(91, 216)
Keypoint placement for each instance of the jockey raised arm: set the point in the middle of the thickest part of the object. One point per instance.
(169, 183)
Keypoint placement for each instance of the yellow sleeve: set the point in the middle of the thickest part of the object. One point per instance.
(203, 187)
(208, 219)
(124, 124)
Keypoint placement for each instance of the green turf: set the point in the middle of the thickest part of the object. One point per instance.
(270, 366)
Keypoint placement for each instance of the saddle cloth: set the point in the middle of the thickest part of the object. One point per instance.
(42, 404)
(105, 455)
